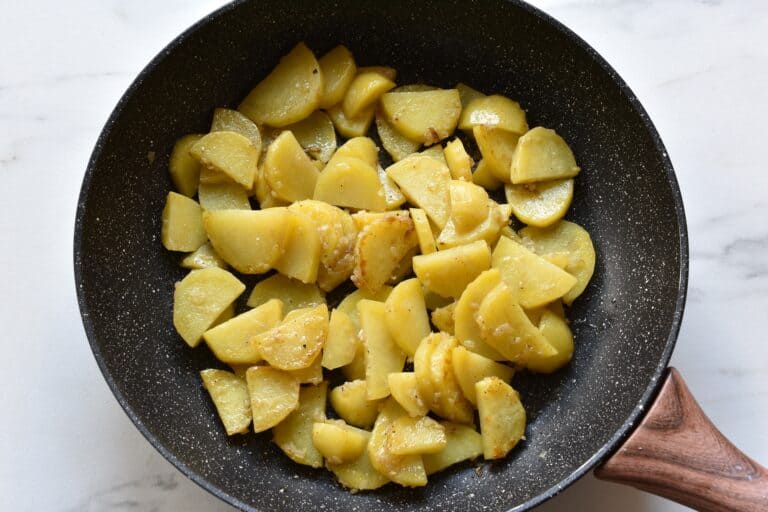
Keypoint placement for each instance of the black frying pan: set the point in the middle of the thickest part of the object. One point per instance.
(627, 198)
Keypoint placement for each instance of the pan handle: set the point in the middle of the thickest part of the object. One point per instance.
(677, 452)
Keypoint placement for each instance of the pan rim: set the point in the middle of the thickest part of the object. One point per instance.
(598, 456)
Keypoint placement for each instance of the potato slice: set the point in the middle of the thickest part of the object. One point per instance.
(351, 182)
(362, 148)
(540, 204)
(502, 417)
(349, 304)
(351, 126)
(459, 162)
(227, 120)
(182, 224)
(301, 253)
(203, 257)
(437, 153)
(387, 72)
(290, 173)
(422, 362)
(542, 155)
(312, 374)
(405, 391)
(274, 395)
(555, 329)
(489, 229)
(406, 470)
(406, 315)
(264, 193)
(223, 196)
(230, 341)
(415, 88)
(467, 94)
(289, 93)
(423, 231)
(383, 356)
(341, 346)
(571, 239)
(380, 247)
(230, 153)
(392, 195)
(350, 401)
(425, 182)
(397, 145)
(358, 475)
(533, 280)
(470, 368)
(447, 401)
(292, 293)
(470, 205)
(294, 434)
(444, 319)
(416, 436)
(338, 442)
(426, 117)
(229, 394)
(467, 331)
(338, 70)
(495, 110)
(356, 369)
(297, 340)
(484, 176)
(448, 272)
(364, 91)
(200, 298)
(316, 135)
(464, 443)
(498, 148)
(250, 241)
(183, 167)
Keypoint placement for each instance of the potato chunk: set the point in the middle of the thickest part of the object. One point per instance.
(502, 417)
(444, 319)
(489, 229)
(203, 257)
(447, 401)
(380, 247)
(294, 434)
(274, 395)
(542, 155)
(406, 470)
(182, 224)
(557, 333)
(449, 272)
(459, 162)
(289, 93)
(470, 368)
(540, 204)
(183, 167)
(416, 436)
(364, 91)
(316, 135)
(338, 442)
(227, 120)
(230, 341)
(405, 391)
(229, 394)
(470, 205)
(467, 331)
(425, 182)
(229, 153)
(297, 340)
(383, 356)
(397, 145)
(290, 173)
(200, 298)
(495, 110)
(359, 475)
(426, 117)
(464, 443)
(406, 315)
(350, 182)
(338, 69)
(484, 176)
(292, 293)
(423, 231)
(301, 253)
(223, 196)
(312, 374)
(341, 346)
(498, 148)
(350, 401)
(351, 126)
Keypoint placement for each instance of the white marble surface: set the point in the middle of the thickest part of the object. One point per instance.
(700, 67)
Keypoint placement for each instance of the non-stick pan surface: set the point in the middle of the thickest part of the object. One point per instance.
(627, 197)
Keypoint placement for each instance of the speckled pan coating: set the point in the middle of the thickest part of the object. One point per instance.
(627, 197)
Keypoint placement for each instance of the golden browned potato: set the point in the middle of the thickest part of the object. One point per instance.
(426, 117)
(542, 155)
(405, 391)
(183, 167)
(397, 145)
(338, 70)
(358, 475)
(292, 293)
(495, 110)
(338, 442)
(470, 368)
(464, 443)
(459, 162)
(227, 120)
(423, 231)
(470, 205)
(444, 319)
(294, 434)
(200, 298)
(364, 91)
(425, 182)
(229, 394)
(290, 173)
(350, 182)
(556, 331)
(203, 257)
(350, 401)
(467, 94)
(301, 254)
(383, 356)
(416, 436)
(502, 417)
(406, 315)
(289, 93)
(447, 400)
(341, 346)
(484, 176)
(230, 153)
(466, 328)
(540, 204)
(448, 272)
(297, 340)
(274, 395)
(498, 148)
(182, 224)
(380, 247)
(351, 126)
(230, 341)
(406, 470)
(316, 135)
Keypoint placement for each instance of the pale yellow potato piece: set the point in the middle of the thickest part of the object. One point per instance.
(423, 231)
(542, 155)
(351, 126)
(387, 72)
(364, 91)
(556, 331)
(223, 196)
(203, 257)
(229, 394)
(341, 346)
(316, 135)
(383, 356)
(467, 331)
(274, 395)
(358, 475)
(397, 145)
(263, 192)
(426, 117)
(239, 370)
(350, 401)
(495, 110)
(230, 153)
(338, 442)
(533, 280)
(301, 253)
(406, 315)
(467, 94)
(416, 436)
(449, 272)
(351, 182)
(489, 229)
(393, 198)
(437, 153)
(498, 148)
(362, 148)
(502, 417)
(380, 247)
(200, 298)
(230, 341)
(225, 315)
(289, 93)
(312, 374)
(338, 69)
(540, 204)
(290, 173)
(422, 367)
(464, 443)
(447, 401)
(444, 318)
(484, 176)
(406, 470)
(292, 293)
(227, 120)
(414, 88)
(510, 233)
(294, 434)
(349, 304)
(470, 368)
(405, 391)
(365, 218)
(250, 241)
(425, 182)
(405, 267)
(458, 160)
(356, 369)
(297, 340)
(433, 300)
(182, 224)
(576, 244)
(470, 205)
(183, 167)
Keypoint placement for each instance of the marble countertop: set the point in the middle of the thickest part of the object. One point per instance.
(700, 67)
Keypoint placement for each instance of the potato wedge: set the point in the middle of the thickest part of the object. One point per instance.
(350, 401)
(183, 167)
(364, 91)
(397, 145)
(426, 117)
(425, 182)
(470, 205)
(351, 182)
(380, 247)
(449, 272)
(447, 401)
(405, 315)
(467, 94)
(467, 331)
(301, 253)
(230, 341)
(351, 126)
(292, 293)
(556, 331)
(489, 229)
(229, 153)
(200, 298)
(443, 318)
(383, 356)
(289, 93)
(227, 120)
(182, 224)
(540, 204)
(229, 394)
(274, 395)
(297, 340)
(316, 135)
(463, 443)
(495, 110)
(502, 417)
(423, 231)
(470, 368)
(459, 162)
(358, 475)
(338, 70)
(405, 391)
(203, 257)
(338, 442)
(290, 173)
(341, 346)
(485, 177)
(498, 148)
(542, 155)
(294, 434)
(416, 436)
(406, 470)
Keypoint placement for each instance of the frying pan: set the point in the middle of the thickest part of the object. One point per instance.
(616, 406)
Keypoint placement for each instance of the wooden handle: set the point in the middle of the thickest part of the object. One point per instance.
(676, 452)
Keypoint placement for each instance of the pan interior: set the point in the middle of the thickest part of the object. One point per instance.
(626, 197)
